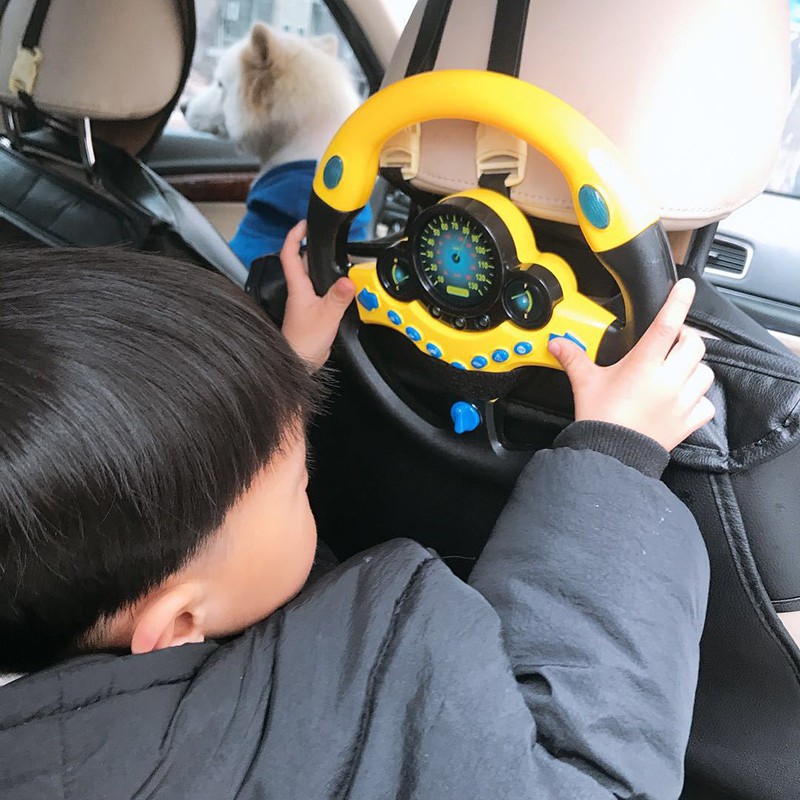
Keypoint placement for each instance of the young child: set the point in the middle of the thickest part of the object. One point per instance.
(152, 494)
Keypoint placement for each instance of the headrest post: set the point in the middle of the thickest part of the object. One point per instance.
(12, 127)
(87, 148)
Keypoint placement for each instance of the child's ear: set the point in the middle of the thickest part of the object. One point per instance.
(328, 44)
(169, 618)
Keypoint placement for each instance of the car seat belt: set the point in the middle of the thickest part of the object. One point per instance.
(25, 70)
(500, 157)
(429, 39)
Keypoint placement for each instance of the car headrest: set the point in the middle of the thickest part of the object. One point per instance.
(694, 93)
(113, 61)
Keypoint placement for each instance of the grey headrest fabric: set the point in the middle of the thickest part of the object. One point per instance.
(103, 59)
(694, 93)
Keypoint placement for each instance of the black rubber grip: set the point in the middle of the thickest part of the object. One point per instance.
(645, 273)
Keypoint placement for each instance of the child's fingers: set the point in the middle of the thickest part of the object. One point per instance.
(666, 327)
(572, 358)
(336, 301)
(686, 355)
(702, 414)
(699, 382)
(293, 267)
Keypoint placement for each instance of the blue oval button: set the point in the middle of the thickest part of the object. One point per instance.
(395, 318)
(433, 350)
(499, 356)
(457, 365)
(523, 348)
(332, 174)
(413, 334)
(479, 362)
(594, 207)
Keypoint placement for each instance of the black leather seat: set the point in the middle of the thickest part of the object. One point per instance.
(61, 183)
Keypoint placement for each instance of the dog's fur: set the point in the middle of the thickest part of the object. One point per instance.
(281, 98)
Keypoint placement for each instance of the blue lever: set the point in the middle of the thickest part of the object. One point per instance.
(465, 417)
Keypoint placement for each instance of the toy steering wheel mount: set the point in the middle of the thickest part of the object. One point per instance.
(467, 283)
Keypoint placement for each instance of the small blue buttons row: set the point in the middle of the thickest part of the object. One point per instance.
(500, 355)
(369, 300)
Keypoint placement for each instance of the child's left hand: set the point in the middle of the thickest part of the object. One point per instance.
(310, 322)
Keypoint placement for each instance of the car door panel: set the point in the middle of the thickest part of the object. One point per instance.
(767, 285)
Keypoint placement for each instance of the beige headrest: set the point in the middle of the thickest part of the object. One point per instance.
(103, 59)
(693, 92)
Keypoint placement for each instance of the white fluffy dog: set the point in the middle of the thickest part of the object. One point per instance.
(280, 98)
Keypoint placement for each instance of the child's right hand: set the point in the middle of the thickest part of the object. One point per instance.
(658, 388)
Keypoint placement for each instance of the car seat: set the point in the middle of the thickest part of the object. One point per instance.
(694, 93)
(85, 89)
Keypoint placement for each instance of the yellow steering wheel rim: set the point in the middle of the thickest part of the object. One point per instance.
(583, 154)
(617, 219)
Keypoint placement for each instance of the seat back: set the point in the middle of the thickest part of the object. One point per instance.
(103, 81)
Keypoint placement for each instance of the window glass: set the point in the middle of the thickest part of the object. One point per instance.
(220, 23)
(786, 176)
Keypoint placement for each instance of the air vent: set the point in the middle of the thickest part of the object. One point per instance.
(729, 258)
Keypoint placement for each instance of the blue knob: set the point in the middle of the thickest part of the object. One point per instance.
(465, 417)
(368, 299)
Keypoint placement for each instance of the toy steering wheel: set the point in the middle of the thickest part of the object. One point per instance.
(468, 285)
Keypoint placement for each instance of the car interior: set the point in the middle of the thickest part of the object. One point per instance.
(602, 150)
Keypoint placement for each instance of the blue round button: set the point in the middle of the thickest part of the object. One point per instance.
(594, 207)
(465, 417)
(413, 334)
(433, 350)
(499, 356)
(479, 362)
(523, 348)
(457, 365)
(332, 174)
(395, 318)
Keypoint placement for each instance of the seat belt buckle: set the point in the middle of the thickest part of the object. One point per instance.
(498, 152)
(402, 152)
(25, 70)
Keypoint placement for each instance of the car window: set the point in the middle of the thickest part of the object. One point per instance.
(220, 23)
(786, 176)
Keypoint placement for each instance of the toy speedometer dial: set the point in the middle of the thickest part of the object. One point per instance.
(457, 259)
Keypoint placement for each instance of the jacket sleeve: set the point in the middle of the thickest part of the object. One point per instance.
(599, 577)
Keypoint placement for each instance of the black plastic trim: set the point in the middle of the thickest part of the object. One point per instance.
(323, 258)
(362, 49)
(645, 273)
(195, 153)
(781, 317)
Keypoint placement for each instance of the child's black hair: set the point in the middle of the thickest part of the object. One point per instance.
(139, 396)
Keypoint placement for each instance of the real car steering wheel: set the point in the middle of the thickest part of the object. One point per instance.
(468, 285)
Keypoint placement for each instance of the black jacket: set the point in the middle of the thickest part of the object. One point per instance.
(565, 670)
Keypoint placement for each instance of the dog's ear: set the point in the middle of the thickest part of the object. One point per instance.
(261, 42)
(328, 44)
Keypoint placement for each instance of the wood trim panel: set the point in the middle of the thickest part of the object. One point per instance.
(213, 187)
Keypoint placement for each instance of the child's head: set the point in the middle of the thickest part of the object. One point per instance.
(152, 456)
